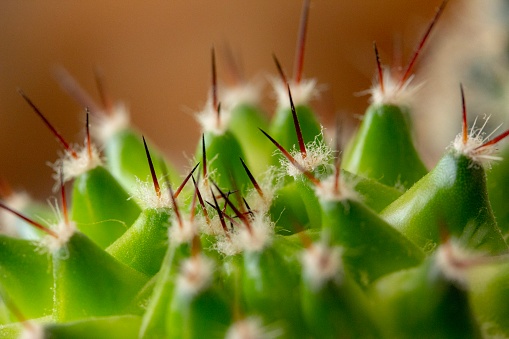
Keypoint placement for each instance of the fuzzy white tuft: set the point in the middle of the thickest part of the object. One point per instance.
(64, 232)
(321, 264)
(252, 328)
(110, 123)
(208, 119)
(179, 234)
(318, 154)
(18, 201)
(476, 137)
(74, 167)
(454, 261)
(32, 330)
(227, 246)
(245, 93)
(269, 185)
(302, 93)
(327, 191)
(145, 194)
(195, 275)
(392, 94)
(260, 235)
(243, 239)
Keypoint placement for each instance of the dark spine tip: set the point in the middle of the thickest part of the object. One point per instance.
(184, 182)
(204, 156)
(252, 178)
(157, 188)
(411, 64)
(379, 68)
(53, 130)
(296, 123)
(280, 70)
(301, 42)
(464, 116)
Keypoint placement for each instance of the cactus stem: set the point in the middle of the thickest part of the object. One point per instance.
(157, 188)
(411, 64)
(61, 139)
(301, 43)
(379, 68)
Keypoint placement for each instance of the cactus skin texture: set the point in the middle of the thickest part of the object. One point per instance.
(302, 246)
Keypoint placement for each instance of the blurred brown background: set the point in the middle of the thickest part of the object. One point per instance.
(155, 55)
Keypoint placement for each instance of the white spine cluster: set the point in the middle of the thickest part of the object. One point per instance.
(110, 123)
(472, 148)
(74, 167)
(321, 264)
(145, 194)
(454, 261)
(182, 233)
(245, 93)
(195, 275)
(392, 93)
(254, 239)
(269, 185)
(64, 232)
(327, 190)
(258, 236)
(318, 153)
(302, 92)
(252, 328)
(32, 330)
(209, 121)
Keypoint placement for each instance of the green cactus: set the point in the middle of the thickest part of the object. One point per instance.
(290, 245)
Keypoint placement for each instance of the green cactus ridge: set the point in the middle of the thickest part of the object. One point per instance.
(268, 238)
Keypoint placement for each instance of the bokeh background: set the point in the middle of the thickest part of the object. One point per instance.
(155, 56)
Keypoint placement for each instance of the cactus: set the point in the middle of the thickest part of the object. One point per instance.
(270, 235)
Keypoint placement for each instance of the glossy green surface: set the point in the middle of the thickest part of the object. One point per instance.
(101, 208)
(420, 303)
(267, 280)
(145, 243)
(244, 124)
(223, 153)
(383, 148)
(127, 161)
(282, 128)
(25, 276)
(372, 248)
(338, 309)
(98, 283)
(498, 190)
(454, 196)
